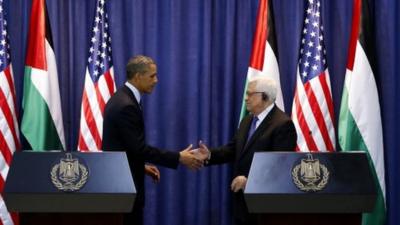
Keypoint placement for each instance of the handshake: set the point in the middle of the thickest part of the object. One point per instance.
(194, 159)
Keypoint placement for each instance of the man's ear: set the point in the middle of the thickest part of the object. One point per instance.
(264, 97)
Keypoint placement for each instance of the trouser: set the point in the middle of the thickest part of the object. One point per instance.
(241, 214)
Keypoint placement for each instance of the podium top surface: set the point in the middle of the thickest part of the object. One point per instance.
(272, 173)
(108, 173)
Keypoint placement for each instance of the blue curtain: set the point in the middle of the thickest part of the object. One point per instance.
(202, 50)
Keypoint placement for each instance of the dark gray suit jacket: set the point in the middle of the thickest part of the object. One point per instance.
(275, 133)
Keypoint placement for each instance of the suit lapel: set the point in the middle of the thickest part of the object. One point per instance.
(242, 136)
(259, 131)
(131, 96)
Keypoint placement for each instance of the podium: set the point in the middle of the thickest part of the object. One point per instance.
(69, 187)
(310, 188)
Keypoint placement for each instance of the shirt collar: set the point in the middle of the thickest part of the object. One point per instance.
(264, 114)
(134, 90)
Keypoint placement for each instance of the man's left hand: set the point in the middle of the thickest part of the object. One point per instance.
(153, 172)
(239, 183)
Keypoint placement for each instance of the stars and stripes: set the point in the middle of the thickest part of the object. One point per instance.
(312, 110)
(9, 133)
(99, 83)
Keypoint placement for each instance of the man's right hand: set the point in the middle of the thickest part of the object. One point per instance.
(203, 152)
(189, 159)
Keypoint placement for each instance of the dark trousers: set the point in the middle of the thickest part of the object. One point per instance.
(241, 213)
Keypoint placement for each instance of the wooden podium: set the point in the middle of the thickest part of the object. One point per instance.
(35, 181)
(310, 188)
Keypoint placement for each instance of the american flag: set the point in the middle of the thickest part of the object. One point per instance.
(312, 110)
(99, 83)
(9, 133)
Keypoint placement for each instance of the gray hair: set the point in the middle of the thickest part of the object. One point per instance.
(138, 64)
(267, 85)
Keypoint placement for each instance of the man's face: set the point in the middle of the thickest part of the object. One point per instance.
(253, 99)
(148, 80)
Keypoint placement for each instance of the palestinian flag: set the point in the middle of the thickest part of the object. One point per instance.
(264, 54)
(360, 126)
(42, 123)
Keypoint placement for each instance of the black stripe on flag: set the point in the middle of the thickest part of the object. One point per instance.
(366, 36)
(271, 30)
(49, 37)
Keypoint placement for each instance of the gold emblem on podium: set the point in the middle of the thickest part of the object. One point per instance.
(69, 174)
(310, 175)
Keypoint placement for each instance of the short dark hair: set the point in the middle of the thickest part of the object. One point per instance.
(138, 64)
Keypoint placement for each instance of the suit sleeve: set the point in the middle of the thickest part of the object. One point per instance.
(224, 153)
(227, 153)
(285, 137)
(130, 126)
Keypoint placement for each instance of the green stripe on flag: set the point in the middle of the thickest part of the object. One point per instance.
(350, 138)
(244, 111)
(37, 124)
(349, 134)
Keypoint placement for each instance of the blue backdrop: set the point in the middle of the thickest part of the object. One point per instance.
(202, 49)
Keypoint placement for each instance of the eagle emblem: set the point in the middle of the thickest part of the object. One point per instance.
(69, 174)
(310, 175)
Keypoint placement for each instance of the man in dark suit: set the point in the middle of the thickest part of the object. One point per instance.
(124, 130)
(266, 128)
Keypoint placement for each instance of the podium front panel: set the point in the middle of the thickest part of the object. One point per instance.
(109, 185)
(271, 187)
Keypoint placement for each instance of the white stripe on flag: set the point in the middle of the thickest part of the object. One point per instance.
(368, 127)
(4, 167)
(301, 143)
(7, 90)
(103, 89)
(6, 131)
(92, 101)
(4, 214)
(271, 68)
(323, 104)
(103, 86)
(113, 78)
(86, 135)
(309, 117)
(12, 104)
(46, 83)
